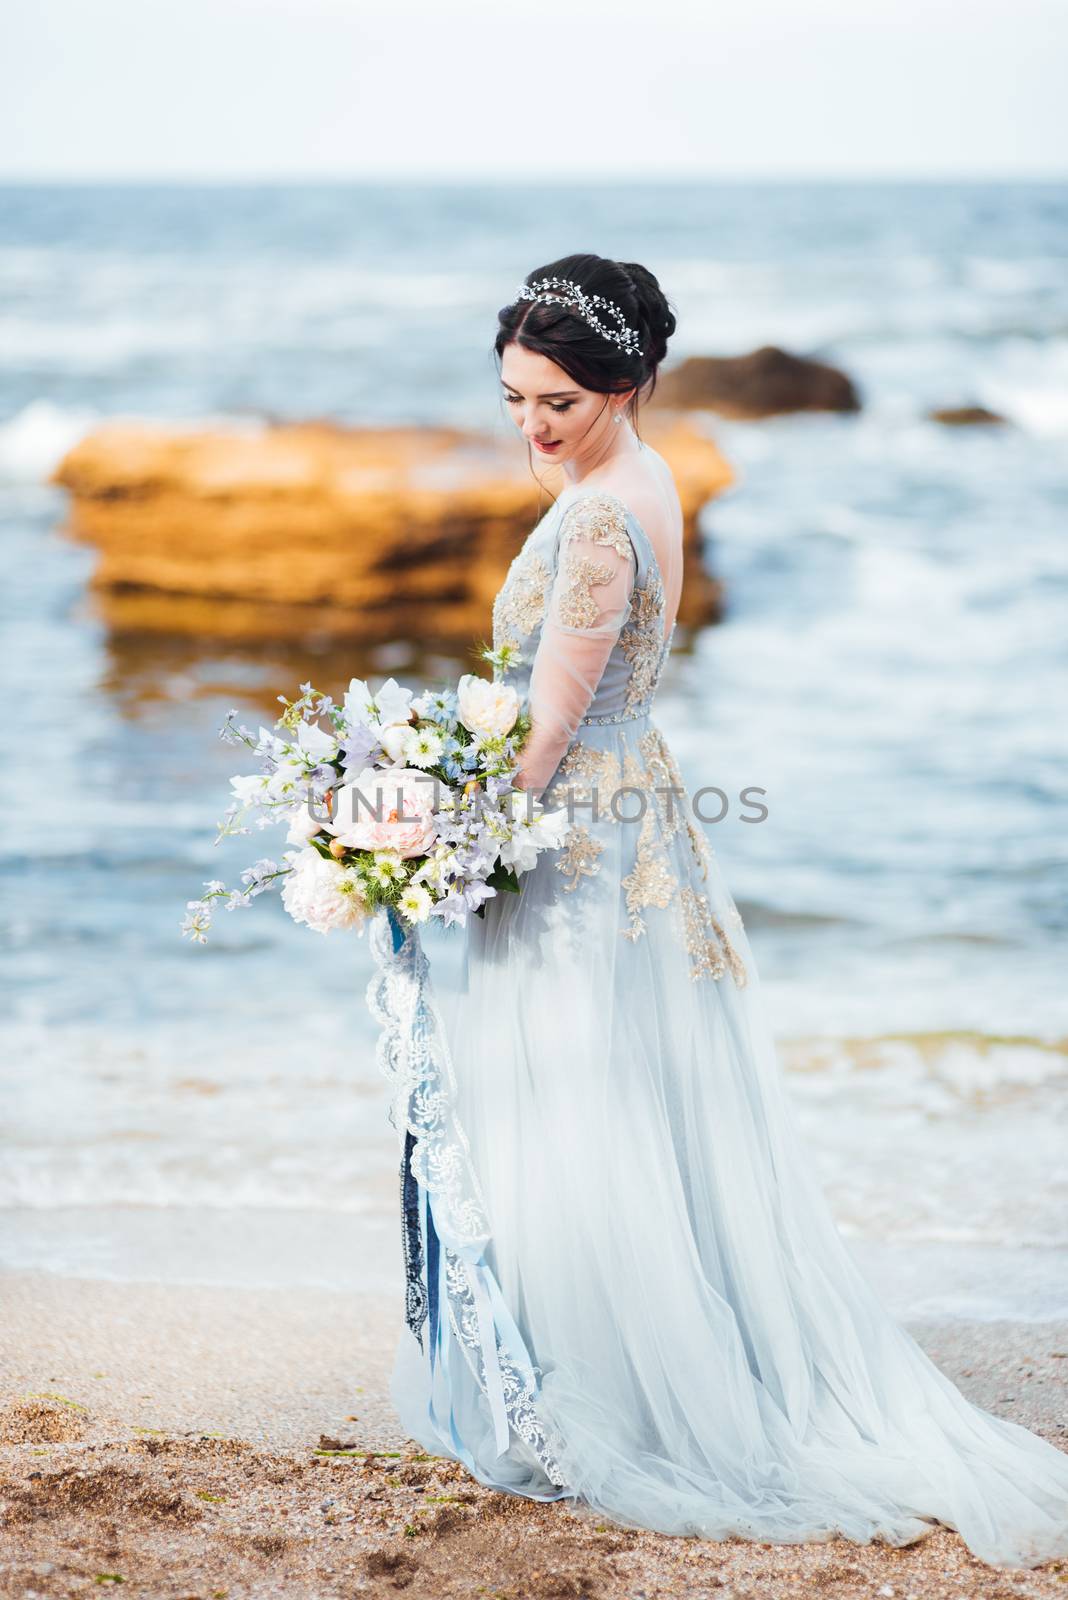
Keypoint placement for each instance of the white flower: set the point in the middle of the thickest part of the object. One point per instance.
(358, 704)
(387, 867)
(321, 893)
(545, 830)
(423, 748)
(551, 828)
(394, 738)
(519, 851)
(316, 743)
(386, 808)
(302, 827)
(390, 704)
(488, 709)
(394, 703)
(270, 744)
(435, 867)
(287, 780)
(250, 790)
(415, 903)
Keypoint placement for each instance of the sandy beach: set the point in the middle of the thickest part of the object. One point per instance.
(227, 1442)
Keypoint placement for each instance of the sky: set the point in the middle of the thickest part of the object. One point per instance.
(486, 89)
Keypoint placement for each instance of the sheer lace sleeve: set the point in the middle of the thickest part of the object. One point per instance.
(588, 605)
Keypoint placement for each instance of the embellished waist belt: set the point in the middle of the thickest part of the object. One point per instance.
(617, 716)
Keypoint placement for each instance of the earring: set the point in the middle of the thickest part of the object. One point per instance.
(617, 417)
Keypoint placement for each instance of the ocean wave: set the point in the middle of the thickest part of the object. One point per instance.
(87, 1184)
(1041, 409)
(36, 438)
(945, 1068)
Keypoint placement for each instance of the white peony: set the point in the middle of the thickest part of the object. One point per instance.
(321, 893)
(303, 826)
(394, 739)
(396, 813)
(488, 709)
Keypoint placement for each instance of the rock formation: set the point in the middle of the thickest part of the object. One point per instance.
(763, 383)
(965, 416)
(279, 532)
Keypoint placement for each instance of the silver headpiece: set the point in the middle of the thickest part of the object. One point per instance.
(548, 290)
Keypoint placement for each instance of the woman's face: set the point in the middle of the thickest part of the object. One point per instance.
(550, 407)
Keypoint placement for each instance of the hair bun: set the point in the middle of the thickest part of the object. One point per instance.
(654, 310)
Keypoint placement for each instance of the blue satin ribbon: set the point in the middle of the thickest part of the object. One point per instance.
(432, 1270)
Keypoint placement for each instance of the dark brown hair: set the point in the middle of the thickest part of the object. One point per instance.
(562, 334)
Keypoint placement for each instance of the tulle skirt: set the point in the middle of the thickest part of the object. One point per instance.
(706, 1356)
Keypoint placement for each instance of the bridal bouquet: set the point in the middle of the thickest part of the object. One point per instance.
(397, 802)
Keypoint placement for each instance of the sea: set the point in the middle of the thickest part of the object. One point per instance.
(891, 671)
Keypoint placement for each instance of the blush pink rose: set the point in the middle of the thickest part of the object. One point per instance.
(403, 798)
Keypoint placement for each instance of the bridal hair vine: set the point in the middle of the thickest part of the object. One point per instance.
(547, 290)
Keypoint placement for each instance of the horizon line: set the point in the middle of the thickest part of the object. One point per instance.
(503, 180)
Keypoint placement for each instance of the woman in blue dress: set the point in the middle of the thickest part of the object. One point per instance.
(626, 1290)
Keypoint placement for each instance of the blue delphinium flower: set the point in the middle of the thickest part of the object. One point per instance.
(440, 705)
(453, 908)
(360, 748)
(262, 875)
(475, 893)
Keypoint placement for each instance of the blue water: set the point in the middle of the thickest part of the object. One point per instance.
(892, 668)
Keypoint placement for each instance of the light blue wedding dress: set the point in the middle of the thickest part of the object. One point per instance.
(625, 1288)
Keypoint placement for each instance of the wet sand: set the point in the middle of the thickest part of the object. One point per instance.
(220, 1442)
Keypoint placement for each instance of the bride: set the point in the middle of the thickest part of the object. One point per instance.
(625, 1287)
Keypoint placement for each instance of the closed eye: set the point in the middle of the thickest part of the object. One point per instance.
(514, 399)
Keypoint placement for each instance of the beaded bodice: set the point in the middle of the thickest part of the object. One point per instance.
(632, 672)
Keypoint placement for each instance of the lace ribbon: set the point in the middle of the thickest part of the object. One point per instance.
(413, 1053)
(445, 1227)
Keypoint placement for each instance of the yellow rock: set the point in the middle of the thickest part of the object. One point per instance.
(347, 533)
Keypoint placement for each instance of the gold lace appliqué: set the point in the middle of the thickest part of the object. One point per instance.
(600, 518)
(578, 608)
(578, 858)
(661, 759)
(642, 640)
(664, 774)
(587, 770)
(520, 605)
(597, 519)
(650, 882)
(711, 952)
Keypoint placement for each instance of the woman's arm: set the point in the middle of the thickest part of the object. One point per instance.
(588, 605)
